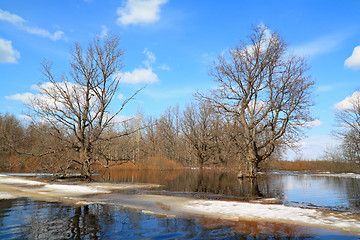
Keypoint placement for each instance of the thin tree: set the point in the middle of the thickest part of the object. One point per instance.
(348, 118)
(266, 91)
(77, 109)
(203, 129)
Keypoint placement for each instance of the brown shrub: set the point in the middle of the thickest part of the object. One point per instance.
(316, 166)
(157, 162)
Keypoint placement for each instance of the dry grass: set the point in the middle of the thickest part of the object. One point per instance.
(303, 165)
(153, 162)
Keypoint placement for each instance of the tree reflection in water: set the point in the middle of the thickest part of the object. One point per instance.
(27, 219)
(299, 189)
(206, 183)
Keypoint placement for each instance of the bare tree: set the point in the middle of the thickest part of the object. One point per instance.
(348, 119)
(76, 107)
(12, 134)
(266, 90)
(205, 131)
(168, 127)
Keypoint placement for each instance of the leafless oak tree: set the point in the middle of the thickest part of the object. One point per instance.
(348, 119)
(266, 90)
(76, 107)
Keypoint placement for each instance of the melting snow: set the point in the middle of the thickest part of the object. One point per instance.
(279, 213)
(73, 189)
(20, 187)
(5, 195)
(12, 180)
(344, 175)
(12, 187)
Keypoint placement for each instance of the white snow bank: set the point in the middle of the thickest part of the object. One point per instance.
(13, 180)
(5, 195)
(344, 175)
(73, 189)
(25, 174)
(22, 187)
(249, 211)
(319, 174)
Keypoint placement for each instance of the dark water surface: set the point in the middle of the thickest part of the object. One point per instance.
(336, 192)
(22, 218)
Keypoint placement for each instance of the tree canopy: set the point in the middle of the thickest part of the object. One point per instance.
(76, 107)
(266, 90)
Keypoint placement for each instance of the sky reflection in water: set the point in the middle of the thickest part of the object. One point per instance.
(27, 219)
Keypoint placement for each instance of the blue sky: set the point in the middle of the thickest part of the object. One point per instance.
(170, 44)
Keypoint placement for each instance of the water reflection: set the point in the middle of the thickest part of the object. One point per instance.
(206, 183)
(337, 193)
(27, 219)
(349, 187)
(291, 188)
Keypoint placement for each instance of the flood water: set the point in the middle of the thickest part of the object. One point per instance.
(336, 192)
(23, 218)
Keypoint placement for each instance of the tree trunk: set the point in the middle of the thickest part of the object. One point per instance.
(249, 170)
(86, 171)
(85, 168)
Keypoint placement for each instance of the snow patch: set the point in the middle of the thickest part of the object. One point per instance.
(344, 175)
(20, 186)
(84, 203)
(4, 195)
(11, 180)
(268, 212)
(73, 189)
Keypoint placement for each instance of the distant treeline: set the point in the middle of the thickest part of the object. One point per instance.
(195, 137)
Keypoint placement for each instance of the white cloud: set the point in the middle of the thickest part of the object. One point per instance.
(104, 31)
(44, 33)
(21, 23)
(312, 147)
(140, 12)
(164, 67)
(11, 18)
(250, 49)
(121, 96)
(57, 101)
(25, 118)
(314, 123)
(143, 74)
(151, 59)
(74, 90)
(267, 37)
(139, 75)
(24, 97)
(254, 108)
(319, 46)
(7, 53)
(120, 118)
(353, 61)
(348, 102)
